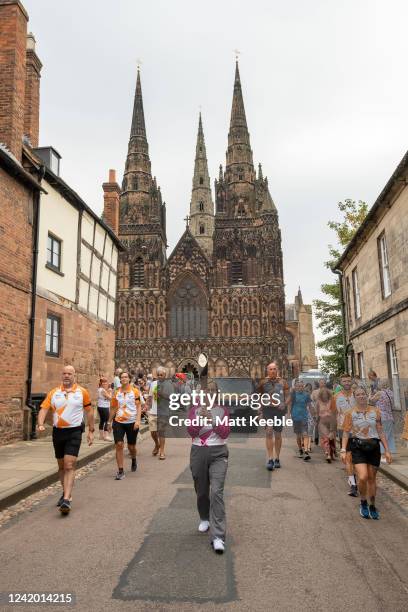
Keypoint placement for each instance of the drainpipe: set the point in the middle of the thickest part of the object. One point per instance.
(343, 317)
(36, 231)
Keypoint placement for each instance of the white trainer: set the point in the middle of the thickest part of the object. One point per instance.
(203, 526)
(218, 546)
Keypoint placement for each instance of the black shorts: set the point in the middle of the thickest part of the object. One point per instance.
(66, 441)
(270, 412)
(120, 429)
(370, 457)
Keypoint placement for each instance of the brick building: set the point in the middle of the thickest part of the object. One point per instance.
(19, 196)
(374, 272)
(57, 258)
(221, 290)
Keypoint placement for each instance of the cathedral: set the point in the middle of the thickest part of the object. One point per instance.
(221, 291)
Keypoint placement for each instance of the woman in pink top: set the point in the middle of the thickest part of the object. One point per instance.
(327, 422)
(209, 431)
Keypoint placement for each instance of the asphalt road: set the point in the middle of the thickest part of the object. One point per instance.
(295, 541)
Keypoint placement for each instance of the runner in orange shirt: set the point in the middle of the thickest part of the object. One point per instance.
(68, 403)
(126, 410)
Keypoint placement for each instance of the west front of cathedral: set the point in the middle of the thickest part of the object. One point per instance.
(221, 290)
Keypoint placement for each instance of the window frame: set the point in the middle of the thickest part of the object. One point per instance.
(356, 294)
(50, 264)
(361, 365)
(384, 265)
(55, 321)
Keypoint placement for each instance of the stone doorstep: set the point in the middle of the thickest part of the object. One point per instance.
(48, 477)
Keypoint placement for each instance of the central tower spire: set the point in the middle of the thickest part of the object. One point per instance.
(239, 163)
(201, 205)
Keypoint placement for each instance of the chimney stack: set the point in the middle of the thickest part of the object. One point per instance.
(111, 192)
(32, 93)
(13, 33)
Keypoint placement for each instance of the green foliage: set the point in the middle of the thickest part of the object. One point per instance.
(328, 312)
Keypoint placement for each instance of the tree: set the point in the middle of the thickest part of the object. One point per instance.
(328, 312)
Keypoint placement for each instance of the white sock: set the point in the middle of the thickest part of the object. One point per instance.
(352, 481)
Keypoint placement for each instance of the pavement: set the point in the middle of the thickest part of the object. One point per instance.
(398, 469)
(295, 540)
(28, 466)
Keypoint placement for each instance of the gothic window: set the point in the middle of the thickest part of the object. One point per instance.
(201, 205)
(225, 307)
(122, 331)
(141, 330)
(188, 311)
(245, 328)
(235, 329)
(235, 307)
(225, 329)
(201, 180)
(131, 331)
(132, 311)
(215, 329)
(161, 308)
(202, 229)
(151, 330)
(122, 310)
(138, 273)
(291, 343)
(236, 273)
(251, 250)
(255, 327)
(245, 307)
(151, 309)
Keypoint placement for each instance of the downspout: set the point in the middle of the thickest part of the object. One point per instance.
(343, 317)
(36, 221)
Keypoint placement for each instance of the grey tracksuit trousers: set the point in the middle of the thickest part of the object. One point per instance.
(209, 468)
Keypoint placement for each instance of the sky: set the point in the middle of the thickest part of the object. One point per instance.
(325, 89)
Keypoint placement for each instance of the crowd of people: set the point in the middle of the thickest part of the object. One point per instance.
(353, 421)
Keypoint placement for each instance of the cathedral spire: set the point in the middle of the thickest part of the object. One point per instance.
(239, 165)
(138, 121)
(238, 117)
(141, 201)
(138, 174)
(201, 205)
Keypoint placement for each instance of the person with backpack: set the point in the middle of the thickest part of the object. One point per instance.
(126, 412)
